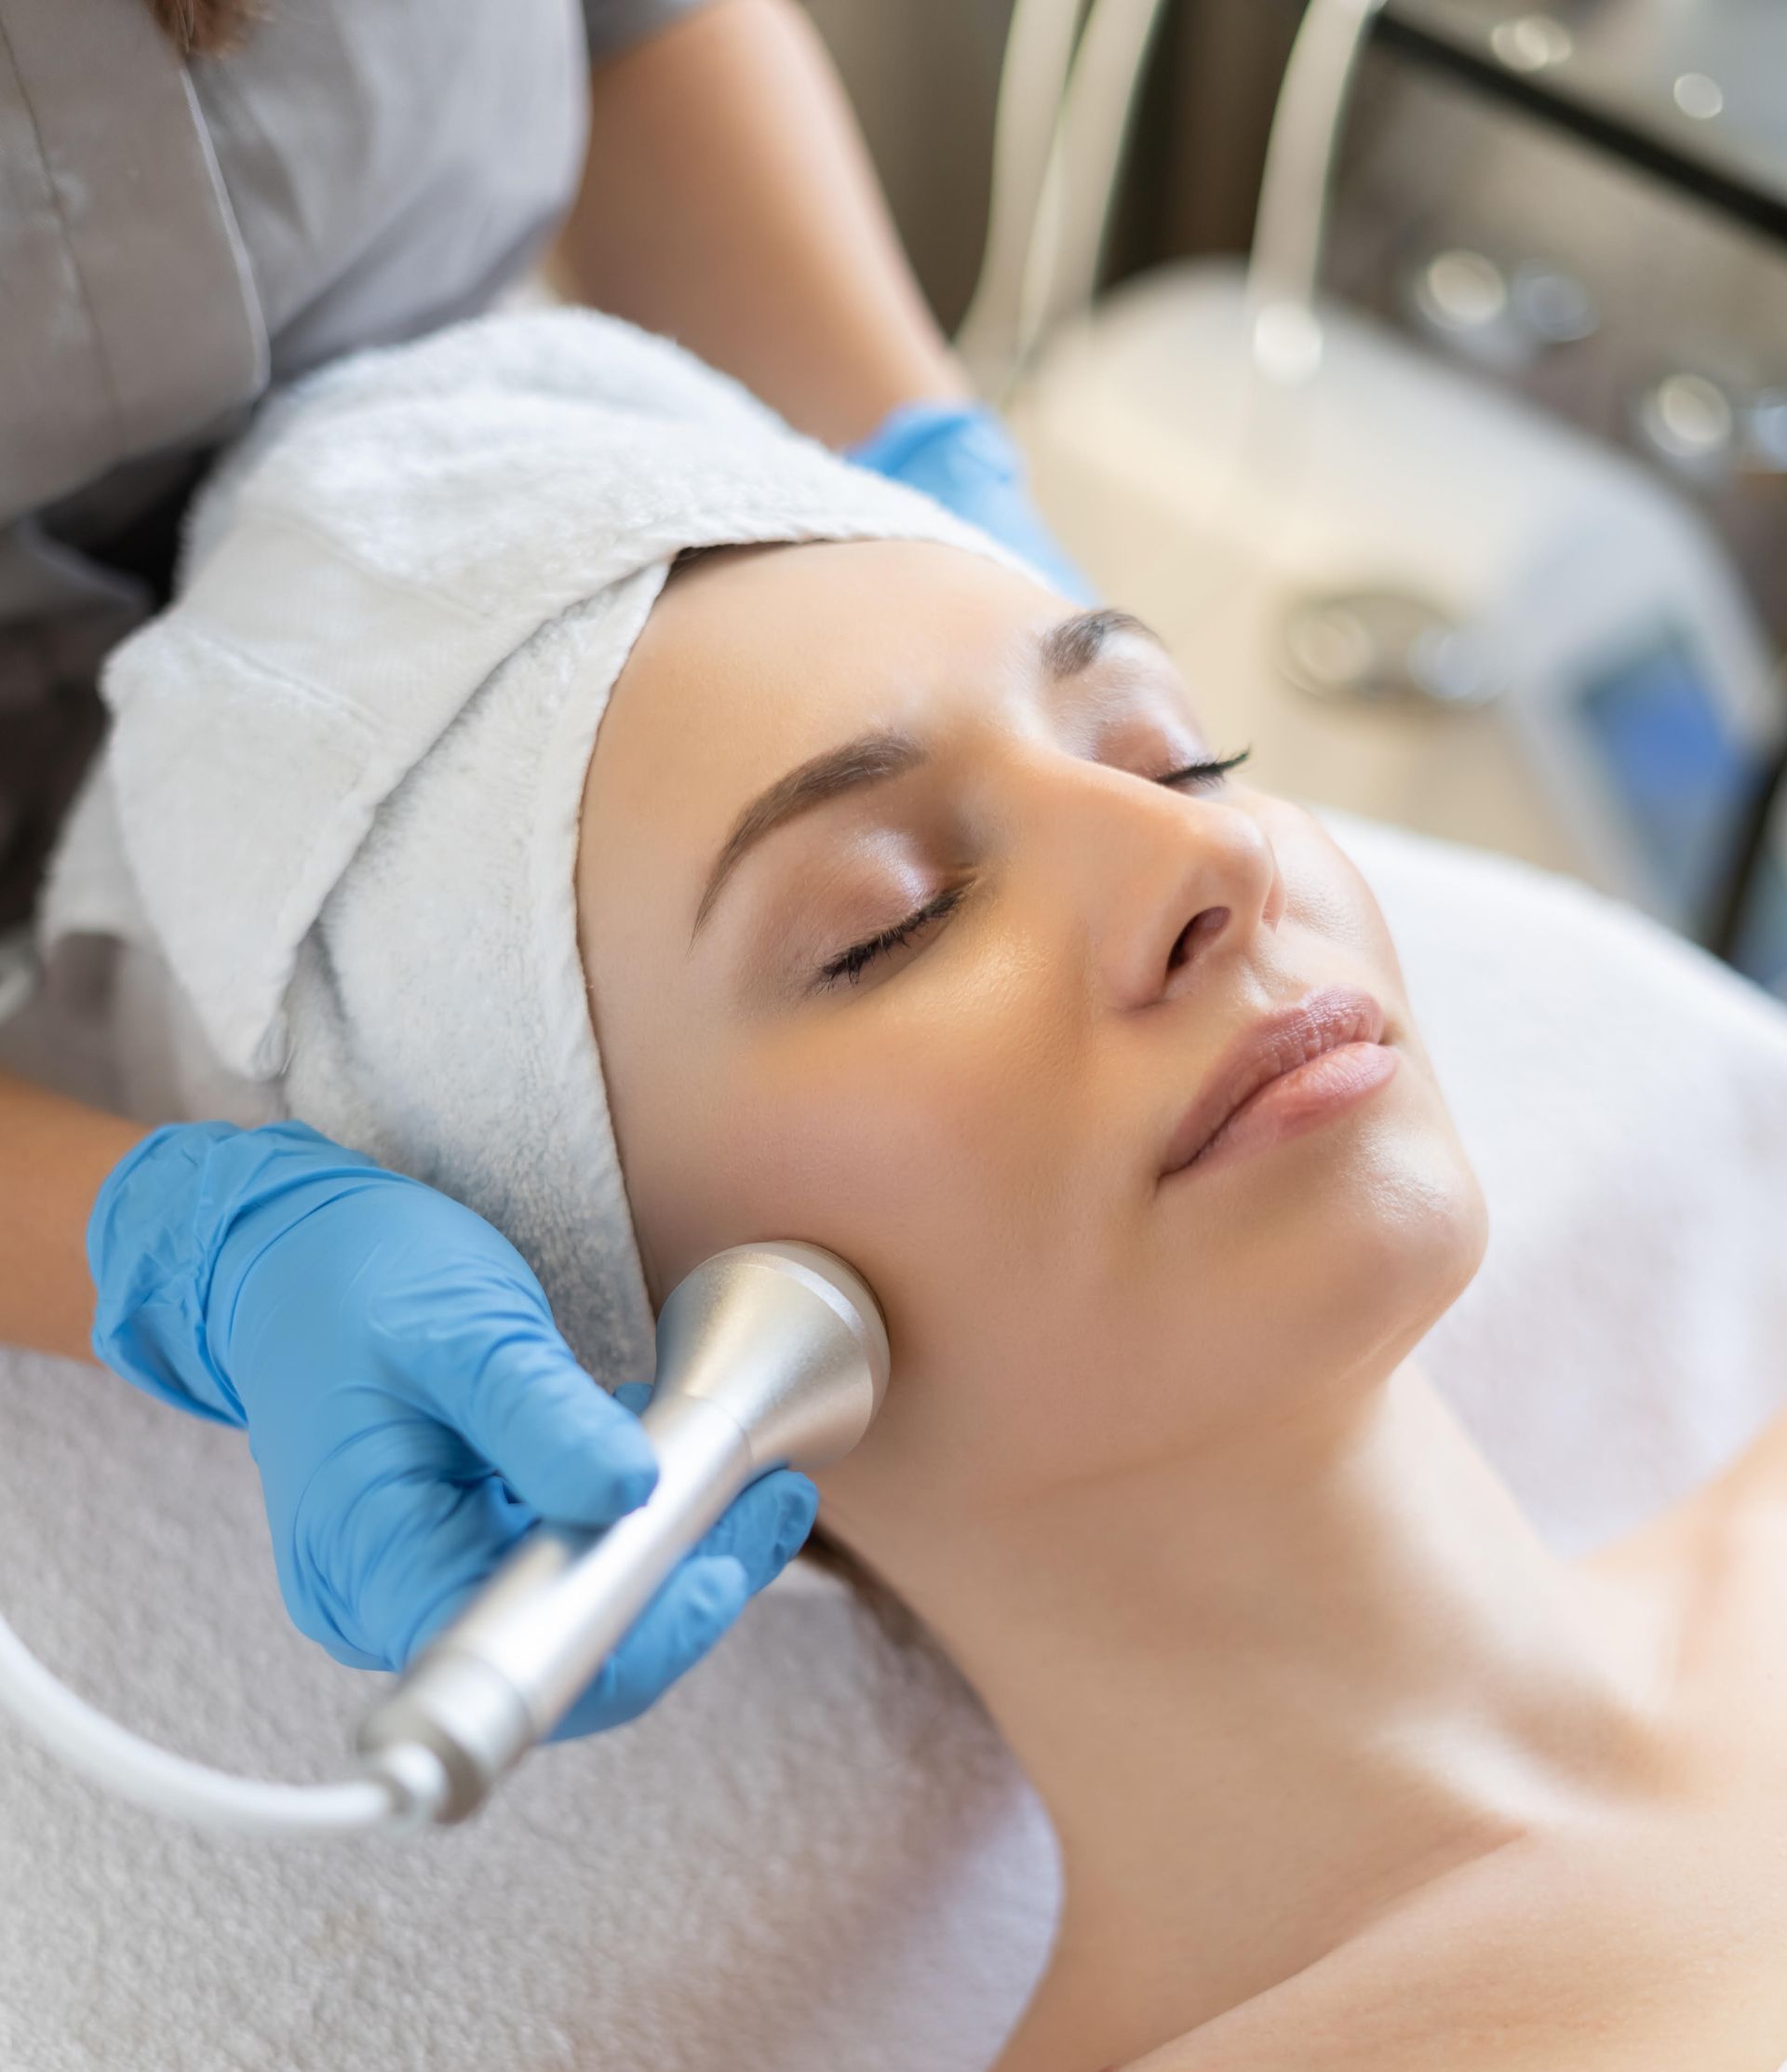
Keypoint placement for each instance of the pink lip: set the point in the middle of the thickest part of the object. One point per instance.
(1325, 1020)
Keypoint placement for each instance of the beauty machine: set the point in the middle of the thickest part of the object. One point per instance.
(1419, 589)
(768, 1355)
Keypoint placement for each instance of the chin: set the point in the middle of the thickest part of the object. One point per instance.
(1417, 1231)
(1336, 1279)
(1373, 1259)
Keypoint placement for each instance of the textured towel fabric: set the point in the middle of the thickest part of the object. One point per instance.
(341, 793)
(814, 1854)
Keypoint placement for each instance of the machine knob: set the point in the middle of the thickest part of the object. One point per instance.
(1384, 647)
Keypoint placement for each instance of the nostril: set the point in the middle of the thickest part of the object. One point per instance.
(1196, 933)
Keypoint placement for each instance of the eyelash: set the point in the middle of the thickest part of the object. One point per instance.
(853, 962)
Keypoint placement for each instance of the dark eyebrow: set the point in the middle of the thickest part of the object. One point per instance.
(875, 757)
(1077, 642)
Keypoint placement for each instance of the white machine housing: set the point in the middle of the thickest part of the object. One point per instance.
(1593, 690)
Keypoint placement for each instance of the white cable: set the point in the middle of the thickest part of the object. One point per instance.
(137, 1770)
(1066, 103)
(1292, 218)
(1033, 76)
(1091, 136)
(17, 976)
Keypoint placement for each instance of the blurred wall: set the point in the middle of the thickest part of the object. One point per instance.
(1200, 144)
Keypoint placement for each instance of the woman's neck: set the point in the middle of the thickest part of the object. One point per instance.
(1269, 1690)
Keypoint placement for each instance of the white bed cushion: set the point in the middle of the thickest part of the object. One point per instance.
(815, 1856)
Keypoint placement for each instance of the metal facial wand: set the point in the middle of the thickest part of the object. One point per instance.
(768, 1355)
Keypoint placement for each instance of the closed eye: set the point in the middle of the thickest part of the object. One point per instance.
(850, 965)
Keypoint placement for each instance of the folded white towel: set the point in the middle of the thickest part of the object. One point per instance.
(814, 1854)
(340, 794)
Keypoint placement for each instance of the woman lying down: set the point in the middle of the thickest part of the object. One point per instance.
(853, 889)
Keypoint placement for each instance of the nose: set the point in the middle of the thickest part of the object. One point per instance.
(1165, 879)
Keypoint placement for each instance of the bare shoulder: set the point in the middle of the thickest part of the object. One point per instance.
(1720, 1556)
(1650, 1939)
(1643, 1959)
(1645, 1939)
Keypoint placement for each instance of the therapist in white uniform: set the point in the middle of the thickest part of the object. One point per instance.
(201, 199)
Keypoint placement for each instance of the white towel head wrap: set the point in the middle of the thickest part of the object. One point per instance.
(342, 791)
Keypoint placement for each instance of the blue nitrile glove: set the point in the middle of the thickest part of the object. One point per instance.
(409, 1402)
(963, 454)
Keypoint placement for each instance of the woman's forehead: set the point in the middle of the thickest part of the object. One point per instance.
(754, 659)
(770, 679)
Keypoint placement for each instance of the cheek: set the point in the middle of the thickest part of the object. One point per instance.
(929, 1150)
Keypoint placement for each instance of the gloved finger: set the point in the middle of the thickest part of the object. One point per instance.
(385, 1552)
(553, 1433)
(697, 1603)
(764, 1526)
(633, 1395)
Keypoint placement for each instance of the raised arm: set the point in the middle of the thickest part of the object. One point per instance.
(729, 202)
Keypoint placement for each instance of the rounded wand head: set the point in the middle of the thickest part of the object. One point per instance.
(785, 1338)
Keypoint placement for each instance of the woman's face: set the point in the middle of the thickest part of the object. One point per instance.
(977, 1119)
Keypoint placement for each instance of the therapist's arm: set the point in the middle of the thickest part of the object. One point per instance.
(728, 201)
(54, 1154)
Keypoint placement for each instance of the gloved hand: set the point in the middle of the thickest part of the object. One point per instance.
(963, 454)
(409, 1401)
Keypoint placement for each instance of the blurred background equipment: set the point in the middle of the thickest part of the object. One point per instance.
(1465, 500)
